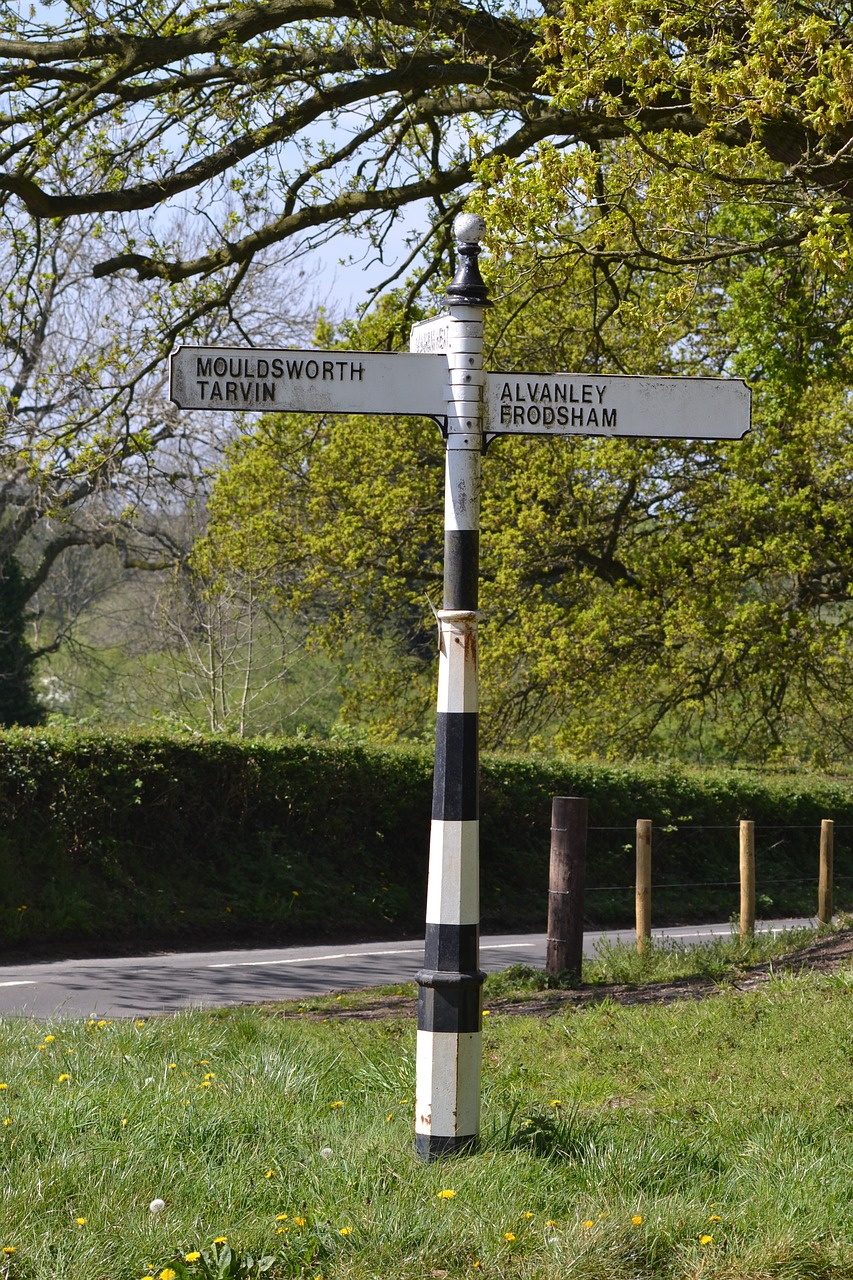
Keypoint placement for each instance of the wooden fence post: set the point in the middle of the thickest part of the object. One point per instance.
(824, 887)
(564, 945)
(747, 878)
(643, 885)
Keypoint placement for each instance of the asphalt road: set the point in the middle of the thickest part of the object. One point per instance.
(129, 987)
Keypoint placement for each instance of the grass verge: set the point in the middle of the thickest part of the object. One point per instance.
(707, 1139)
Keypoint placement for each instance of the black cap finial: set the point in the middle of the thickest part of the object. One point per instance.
(467, 289)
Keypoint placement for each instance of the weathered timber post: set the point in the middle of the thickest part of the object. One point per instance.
(643, 886)
(447, 1094)
(824, 886)
(564, 944)
(747, 878)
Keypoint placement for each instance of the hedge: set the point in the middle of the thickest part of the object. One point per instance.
(116, 842)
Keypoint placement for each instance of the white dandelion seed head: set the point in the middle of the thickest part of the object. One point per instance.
(326, 1152)
(157, 1206)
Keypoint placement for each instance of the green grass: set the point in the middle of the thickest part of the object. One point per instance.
(720, 960)
(730, 1118)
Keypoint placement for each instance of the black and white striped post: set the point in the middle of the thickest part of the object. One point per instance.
(447, 1101)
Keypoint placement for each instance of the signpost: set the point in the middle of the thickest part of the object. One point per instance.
(592, 404)
(270, 381)
(443, 377)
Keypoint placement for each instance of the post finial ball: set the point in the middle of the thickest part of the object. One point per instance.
(469, 228)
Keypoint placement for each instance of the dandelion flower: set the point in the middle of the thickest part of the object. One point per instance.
(49, 1039)
(8, 1249)
(637, 1219)
(192, 1257)
(281, 1217)
(556, 1102)
(81, 1222)
(65, 1076)
(509, 1236)
(589, 1224)
(168, 1274)
(336, 1104)
(706, 1239)
(221, 1240)
(715, 1217)
(346, 1231)
(446, 1195)
(157, 1206)
(4, 1086)
(299, 1222)
(528, 1214)
(270, 1173)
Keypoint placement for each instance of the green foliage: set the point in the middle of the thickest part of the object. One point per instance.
(643, 598)
(18, 704)
(111, 841)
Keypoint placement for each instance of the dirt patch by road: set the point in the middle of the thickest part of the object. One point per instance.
(826, 955)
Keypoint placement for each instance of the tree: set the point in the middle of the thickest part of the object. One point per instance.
(280, 122)
(640, 597)
(187, 145)
(92, 453)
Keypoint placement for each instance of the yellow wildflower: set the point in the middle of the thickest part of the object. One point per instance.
(637, 1219)
(446, 1195)
(336, 1104)
(192, 1257)
(706, 1239)
(299, 1222)
(168, 1274)
(346, 1231)
(509, 1236)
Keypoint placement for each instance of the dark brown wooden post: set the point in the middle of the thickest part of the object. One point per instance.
(564, 948)
(824, 887)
